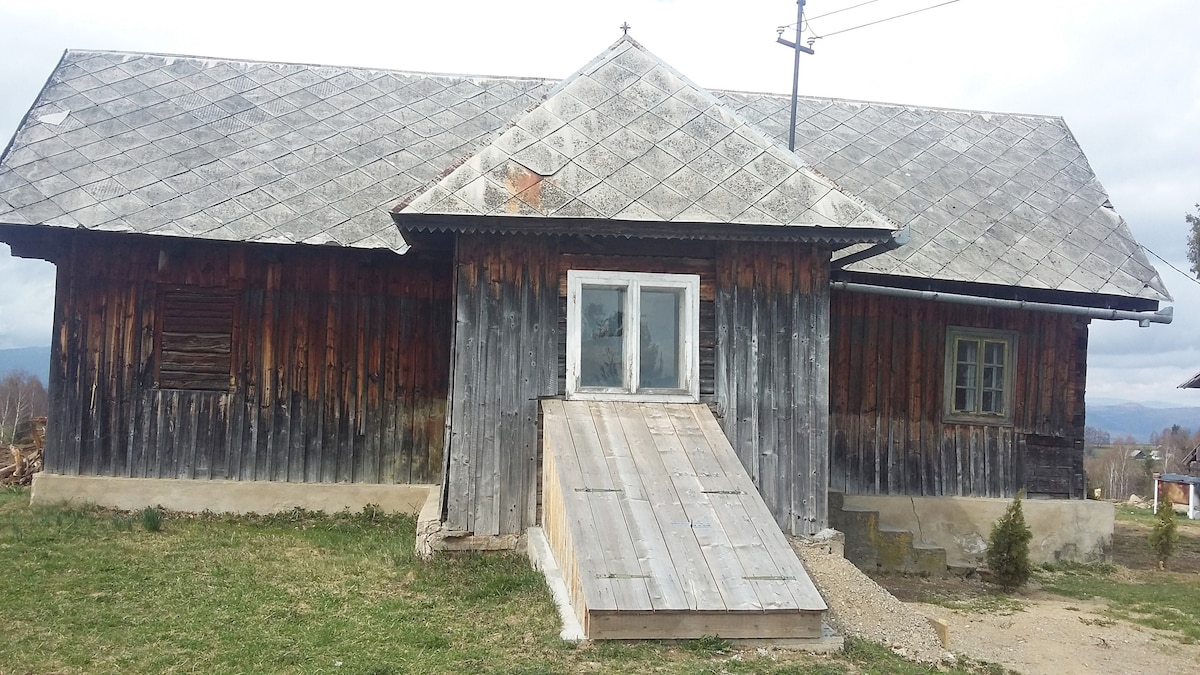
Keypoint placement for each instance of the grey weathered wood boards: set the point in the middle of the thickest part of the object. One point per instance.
(772, 374)
(336, 369)
(889, 437)
(659, 530)
(505, 357)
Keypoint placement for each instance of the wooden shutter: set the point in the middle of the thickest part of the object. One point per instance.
(195, 338)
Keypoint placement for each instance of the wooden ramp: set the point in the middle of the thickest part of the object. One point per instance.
(659, 531)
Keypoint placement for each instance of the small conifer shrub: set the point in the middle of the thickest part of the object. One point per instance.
(1164, 536)
(1008, 548)
(151, 519)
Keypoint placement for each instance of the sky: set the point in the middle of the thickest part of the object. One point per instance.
(1124, 75)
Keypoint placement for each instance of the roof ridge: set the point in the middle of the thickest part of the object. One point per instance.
(536, 78)
(932, 108)
(300, 64)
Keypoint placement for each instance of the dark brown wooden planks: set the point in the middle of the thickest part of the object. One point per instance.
(338, 363)
(889, 356)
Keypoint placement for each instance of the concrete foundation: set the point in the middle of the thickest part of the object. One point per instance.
(222, 496)
(434, 539)
(1063, 530)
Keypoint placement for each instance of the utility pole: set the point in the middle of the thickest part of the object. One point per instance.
(797, 47)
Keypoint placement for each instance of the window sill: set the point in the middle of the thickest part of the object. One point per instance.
(979, 419)
(646, 397)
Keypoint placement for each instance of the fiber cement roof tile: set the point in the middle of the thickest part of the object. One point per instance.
(136, 142)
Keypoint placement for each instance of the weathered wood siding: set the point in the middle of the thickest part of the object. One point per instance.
(888, 372)
(339, 364)
(505, 356)
(772, 377)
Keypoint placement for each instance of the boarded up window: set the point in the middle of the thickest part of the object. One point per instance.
(195, 339)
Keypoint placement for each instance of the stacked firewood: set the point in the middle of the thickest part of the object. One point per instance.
(26, 455)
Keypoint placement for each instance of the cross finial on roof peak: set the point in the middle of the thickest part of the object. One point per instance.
(625, 27)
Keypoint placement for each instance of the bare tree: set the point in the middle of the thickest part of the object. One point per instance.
(1115, 470)
(1174, 442)
(1093, 437)
(22, 397)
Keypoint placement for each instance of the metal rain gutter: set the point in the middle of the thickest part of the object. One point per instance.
(1144, 319)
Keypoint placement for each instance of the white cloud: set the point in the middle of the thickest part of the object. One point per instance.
(26, 301)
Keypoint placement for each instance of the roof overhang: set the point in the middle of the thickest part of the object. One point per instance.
(413, 225)
(983, 292)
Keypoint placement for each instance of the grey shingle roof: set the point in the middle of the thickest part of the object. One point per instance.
(242, 151)
(629, 138)
(267, 152)
(989, 198)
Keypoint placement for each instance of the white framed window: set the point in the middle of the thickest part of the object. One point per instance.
(633, 336)
(979, 375)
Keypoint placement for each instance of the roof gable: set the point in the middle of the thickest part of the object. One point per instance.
(628, 138)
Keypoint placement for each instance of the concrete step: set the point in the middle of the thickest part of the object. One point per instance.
(875, 548)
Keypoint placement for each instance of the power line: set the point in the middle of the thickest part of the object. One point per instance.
(836, 11)
(839, 11)
(1166, 262)
(873, 23)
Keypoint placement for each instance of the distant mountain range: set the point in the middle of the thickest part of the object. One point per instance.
(33, 360)
(1118, 418)
(1139, 421)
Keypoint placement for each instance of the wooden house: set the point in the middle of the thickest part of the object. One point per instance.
(304, 276)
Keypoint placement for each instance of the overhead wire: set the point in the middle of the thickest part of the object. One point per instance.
(807, 19)
(844, 9)
(875, 23)
(1168, 263)
(836, 11)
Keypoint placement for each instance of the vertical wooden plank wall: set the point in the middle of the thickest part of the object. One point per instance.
(888, 370)
(505, 358)
(772, 374)
(340, 365)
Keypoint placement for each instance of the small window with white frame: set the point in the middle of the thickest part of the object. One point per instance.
(633, 336)
(979, 375)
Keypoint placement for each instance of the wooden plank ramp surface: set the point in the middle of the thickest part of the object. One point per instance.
(660, 532)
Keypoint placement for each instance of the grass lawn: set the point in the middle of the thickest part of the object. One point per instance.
(1136, 590)
(94, 591)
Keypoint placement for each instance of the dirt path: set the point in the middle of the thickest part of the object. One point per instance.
(1041, 633)
(1052, 636)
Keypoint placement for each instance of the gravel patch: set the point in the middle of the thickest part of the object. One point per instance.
(861, 608)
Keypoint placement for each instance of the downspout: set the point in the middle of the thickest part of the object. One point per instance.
(1144, 319)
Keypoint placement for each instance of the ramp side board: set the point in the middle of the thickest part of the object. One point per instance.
(660, 532)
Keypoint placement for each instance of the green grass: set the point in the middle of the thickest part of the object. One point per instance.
(1146, 517)
(88, 591)
(1162, 600)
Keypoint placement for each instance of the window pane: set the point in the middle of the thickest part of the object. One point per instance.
(968, 351)
(993, 353)
(602, 346)
(660, 340)
(966, 375)
(993, 401)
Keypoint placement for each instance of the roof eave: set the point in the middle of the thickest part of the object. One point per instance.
(1006, 292)
(837, 236)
